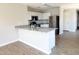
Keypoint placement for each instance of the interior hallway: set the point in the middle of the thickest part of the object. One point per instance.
(66, 44)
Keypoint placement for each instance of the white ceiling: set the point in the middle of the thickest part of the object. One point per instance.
(39, 6)
(44, 6)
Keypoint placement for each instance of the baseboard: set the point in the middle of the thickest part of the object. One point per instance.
(47, 52)
(65, 30)
(61, 33)
(8, 43)
(35, 47)
(70, 30)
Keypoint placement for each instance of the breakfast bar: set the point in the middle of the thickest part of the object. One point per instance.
(40, 38)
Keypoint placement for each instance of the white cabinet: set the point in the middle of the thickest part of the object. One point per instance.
(45, 25)
(43, 41)
(46, 15)
(40, 15)
(34, 14)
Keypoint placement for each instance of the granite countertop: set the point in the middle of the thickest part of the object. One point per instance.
(41, 29)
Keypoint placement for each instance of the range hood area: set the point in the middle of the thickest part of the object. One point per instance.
(38, 22)
(52, 22)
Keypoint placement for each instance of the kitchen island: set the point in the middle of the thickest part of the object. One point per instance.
(40, 38)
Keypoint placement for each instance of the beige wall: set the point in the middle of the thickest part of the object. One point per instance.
(10, 16)
(61, 19)
(54, 11)
(69, 20)
(69, 17)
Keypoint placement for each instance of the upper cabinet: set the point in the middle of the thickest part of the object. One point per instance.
(34, 14)
(41, 16)
(46, 15)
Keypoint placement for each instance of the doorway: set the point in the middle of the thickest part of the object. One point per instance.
(77, 20)
(57, 25)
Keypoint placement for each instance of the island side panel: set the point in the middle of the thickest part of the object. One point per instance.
(51, 39)
(36, 39)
